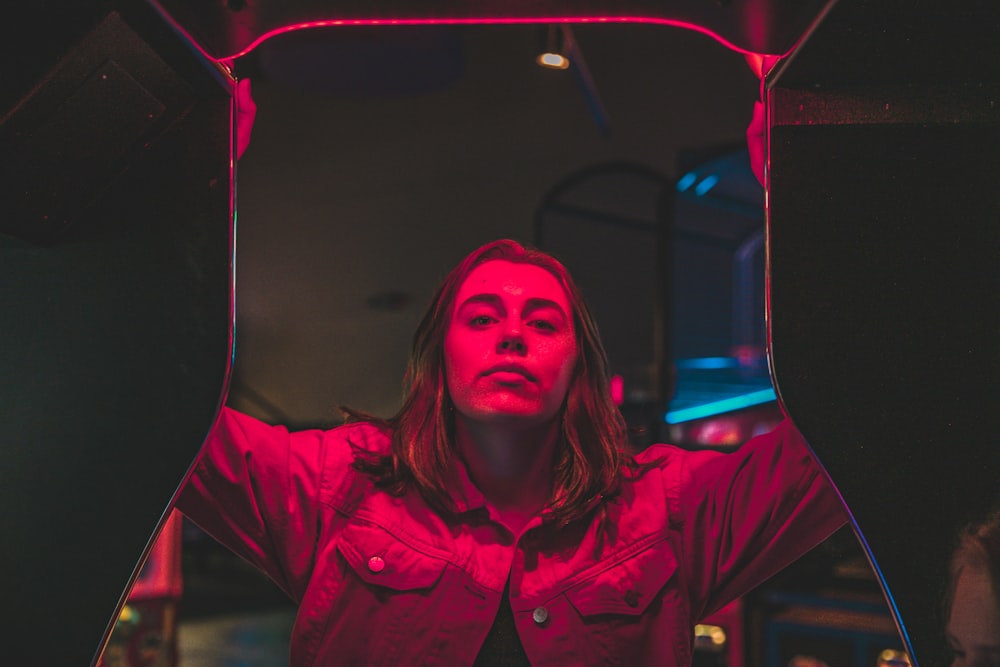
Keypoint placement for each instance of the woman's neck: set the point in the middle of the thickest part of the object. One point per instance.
(509, 463)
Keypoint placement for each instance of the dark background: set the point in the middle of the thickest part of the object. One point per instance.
(382, 156)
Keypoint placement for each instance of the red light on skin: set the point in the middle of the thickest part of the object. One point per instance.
(510, 348)
(489, 21)
(617, 389)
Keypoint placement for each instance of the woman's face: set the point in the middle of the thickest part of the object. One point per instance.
(510, 347)
(974, 624)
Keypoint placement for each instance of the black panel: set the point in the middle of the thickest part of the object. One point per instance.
(883, 236)
(115, 287)
(102, 107)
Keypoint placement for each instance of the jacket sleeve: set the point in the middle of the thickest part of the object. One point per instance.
(255, 489)
(745, 515)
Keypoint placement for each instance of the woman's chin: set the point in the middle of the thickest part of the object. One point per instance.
(510, 415)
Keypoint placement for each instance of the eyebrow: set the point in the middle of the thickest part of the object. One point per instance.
(533, 303)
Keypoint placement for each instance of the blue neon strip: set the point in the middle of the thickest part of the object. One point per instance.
(718, 407)
(708, 363)
(706, 184)
(687, 180)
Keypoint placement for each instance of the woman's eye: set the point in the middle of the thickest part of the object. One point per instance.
(481, 320)
(545, 325)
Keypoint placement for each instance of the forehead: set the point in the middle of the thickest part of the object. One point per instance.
(512, 280)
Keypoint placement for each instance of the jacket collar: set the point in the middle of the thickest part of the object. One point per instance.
(466, 496)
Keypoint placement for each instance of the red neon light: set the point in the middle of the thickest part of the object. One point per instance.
(489, 21)
(617, 389)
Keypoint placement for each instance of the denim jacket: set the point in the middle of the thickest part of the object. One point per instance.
(384, 580)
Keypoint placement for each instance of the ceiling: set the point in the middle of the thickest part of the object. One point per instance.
(362, 187)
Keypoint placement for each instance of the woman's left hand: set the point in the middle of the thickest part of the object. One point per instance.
(246, 112)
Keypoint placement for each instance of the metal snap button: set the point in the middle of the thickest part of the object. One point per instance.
(632, 598)
(376, 564)
(540, 615)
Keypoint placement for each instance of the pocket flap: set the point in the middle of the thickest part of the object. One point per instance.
(379, 558)
(628, 586)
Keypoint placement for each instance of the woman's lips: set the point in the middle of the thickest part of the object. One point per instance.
(510, 373)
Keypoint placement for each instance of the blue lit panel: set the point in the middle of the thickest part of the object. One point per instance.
(720, 406)
(708, 386)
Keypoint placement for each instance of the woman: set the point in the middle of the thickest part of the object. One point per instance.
(972, 605)
(497, 518)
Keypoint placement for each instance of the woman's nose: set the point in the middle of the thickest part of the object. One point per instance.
(512, 342)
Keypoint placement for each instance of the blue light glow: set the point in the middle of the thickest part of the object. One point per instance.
(706, 184)
(719, 407)
(708, 363)
(687, 180)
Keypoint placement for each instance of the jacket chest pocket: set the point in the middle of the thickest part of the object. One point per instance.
(627, 587)
(629, 613)
(378, 558)
(381, 600)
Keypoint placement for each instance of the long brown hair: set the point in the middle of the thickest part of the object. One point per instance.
(591, 458)
(978, 546)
